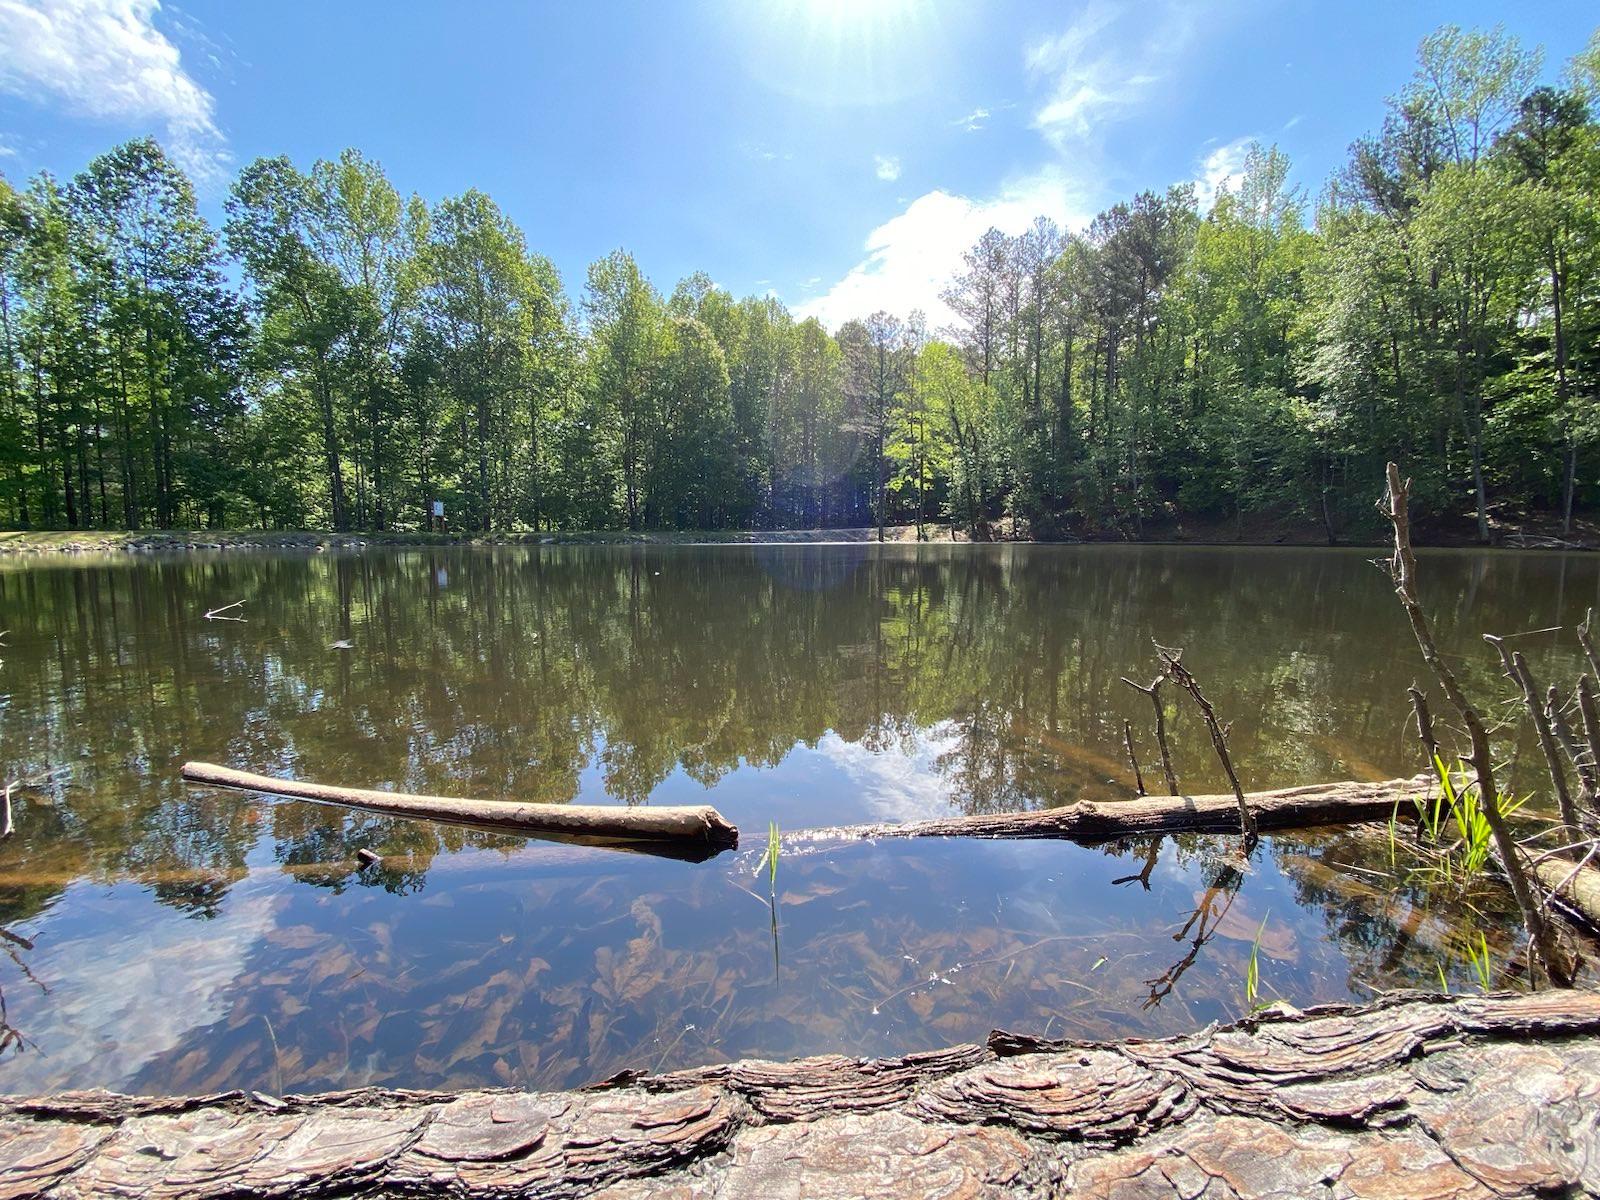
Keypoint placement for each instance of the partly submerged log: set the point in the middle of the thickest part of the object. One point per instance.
(1106, 820)
(694, 832)
(1412, 1097)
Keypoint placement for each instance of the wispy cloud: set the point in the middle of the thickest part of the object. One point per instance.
(1222, 168)
(1109, 62)
(887, 166)
(974, 120)
(764, 153)
(912, 256)
(106, 60)
(1103, 64)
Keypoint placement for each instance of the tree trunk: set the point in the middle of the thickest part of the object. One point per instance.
(1416, 1096)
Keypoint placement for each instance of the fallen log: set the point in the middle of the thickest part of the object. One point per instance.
(1419, 1096)
(1106, 820)
(691, 832)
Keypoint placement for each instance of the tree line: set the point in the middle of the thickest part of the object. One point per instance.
(339, 355)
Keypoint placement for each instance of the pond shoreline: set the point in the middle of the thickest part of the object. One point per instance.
(1488, 1096)
(75, 542)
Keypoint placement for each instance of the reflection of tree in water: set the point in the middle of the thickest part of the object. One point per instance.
(510, 673)
(13, 946)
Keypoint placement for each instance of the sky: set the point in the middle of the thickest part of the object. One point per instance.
(838, 154)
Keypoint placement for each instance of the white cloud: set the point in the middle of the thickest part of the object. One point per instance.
(1093, 73)
(1111, 59)
(911, 257)
(106, 60)
(888, 167)
(1222, 168)
(7, 150)
(974, 120)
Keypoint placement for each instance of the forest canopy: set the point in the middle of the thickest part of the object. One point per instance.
(339, 355)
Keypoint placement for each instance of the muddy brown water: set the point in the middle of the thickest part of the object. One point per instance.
(163, 938)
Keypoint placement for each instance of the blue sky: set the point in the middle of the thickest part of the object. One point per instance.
(839, 153)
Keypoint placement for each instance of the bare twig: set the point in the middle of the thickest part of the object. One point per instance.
(216, 613)
(1403, 568)
(1587, 642)
(1582, 763)
(1590, 714)
(1154, 692)
(1172, 664)
(1419, 706)
(1133, 759)
(1516, 667)
(6, 826)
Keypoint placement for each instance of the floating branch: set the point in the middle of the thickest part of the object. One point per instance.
(1106, 820)
(691, 832)
(216, 613)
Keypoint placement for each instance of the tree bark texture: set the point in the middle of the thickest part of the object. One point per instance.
(1412, 1097)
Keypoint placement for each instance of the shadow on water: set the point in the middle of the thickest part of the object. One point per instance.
(186, 940)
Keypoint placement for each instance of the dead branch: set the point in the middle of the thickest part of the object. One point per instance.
(1091, 821)
(692, 832)
(1133, 759)
(1172, 664)
(1403, 568)
(1419, 706)
(1516, 668)
(1581, 762)
(1587, 642)
(1154, 692)
(216, 613)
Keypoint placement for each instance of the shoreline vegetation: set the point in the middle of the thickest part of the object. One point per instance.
(1543, 534)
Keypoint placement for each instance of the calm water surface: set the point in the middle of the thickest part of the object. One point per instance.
(161, 938)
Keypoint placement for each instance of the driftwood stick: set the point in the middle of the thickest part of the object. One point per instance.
(1172, 664)
(6, 826)
(1154, 692)
(1403, 569)
(1425, 735)
(1133, 759)
(1587, 642)
(693, 832)
(1092, 821)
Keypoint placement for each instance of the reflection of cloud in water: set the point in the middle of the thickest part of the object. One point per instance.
(163, 976)
(897, 786)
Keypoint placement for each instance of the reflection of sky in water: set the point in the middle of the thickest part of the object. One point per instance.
(118, 1002)
(802, 685)
(550, 966)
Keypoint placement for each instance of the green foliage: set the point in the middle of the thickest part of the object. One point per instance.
(1455, 823)
(1245, 357)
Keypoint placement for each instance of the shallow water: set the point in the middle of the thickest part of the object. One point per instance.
(163, 938)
